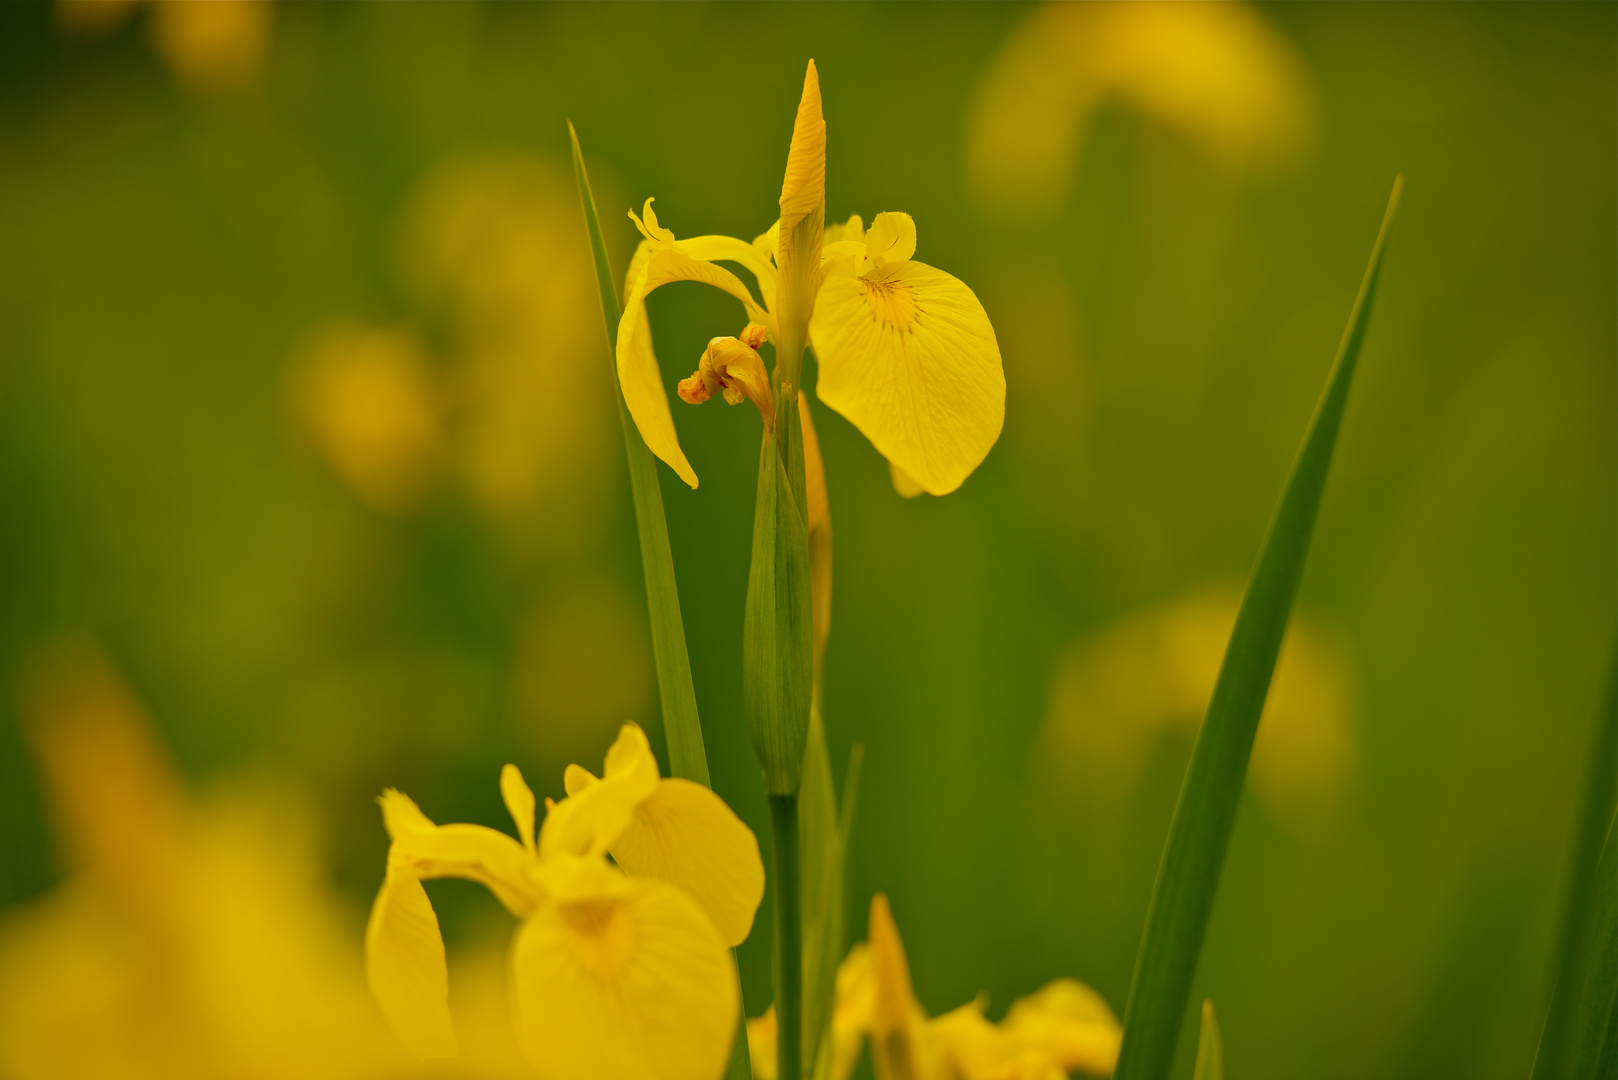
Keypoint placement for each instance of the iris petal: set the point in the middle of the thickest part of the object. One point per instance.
(656, 263)
(404, 963)
(686, 835)
(633, 983)
(907, 355)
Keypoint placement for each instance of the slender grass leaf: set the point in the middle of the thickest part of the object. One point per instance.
(1552, 1062)
(681, 725)
(1188, 877)
(1591, 1050)
(1210, 1048)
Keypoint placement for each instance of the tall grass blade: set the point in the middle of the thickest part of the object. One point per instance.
(1188, 876)
(1590, 882)
(681, 726)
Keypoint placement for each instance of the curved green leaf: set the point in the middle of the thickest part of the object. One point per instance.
(1188, 876)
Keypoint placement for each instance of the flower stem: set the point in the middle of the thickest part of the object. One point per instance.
(788, 938)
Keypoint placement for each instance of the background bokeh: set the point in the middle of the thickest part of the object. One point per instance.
(306, 423)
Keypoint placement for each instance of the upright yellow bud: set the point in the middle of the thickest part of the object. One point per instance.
(803, 222)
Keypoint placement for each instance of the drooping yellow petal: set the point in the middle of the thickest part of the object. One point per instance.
(404, 963)
(685, 834)
(622, 977)
(907, 355)
(659, 260)
(471, 852)
(519, 799)
(596, 812)
(1070, 1021)
(717, 248)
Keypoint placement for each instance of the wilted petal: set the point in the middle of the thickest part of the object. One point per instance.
(404, 963)
(623, 977)
(685, 834)
(907, 355)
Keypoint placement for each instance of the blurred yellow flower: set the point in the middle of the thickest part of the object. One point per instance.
(491, 246)
(490, 249)
(1062, 1028)
(612, 973)
(906, 352)
(1153, 672)
(367, 398)
(209, 45)
(855, 997)
(194, 938)
(1216, 73)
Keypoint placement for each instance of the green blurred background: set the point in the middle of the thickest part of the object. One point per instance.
(173, 260)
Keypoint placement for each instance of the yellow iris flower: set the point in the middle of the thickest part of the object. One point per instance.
(1063, 1027)
(616, 970)
(906, 352)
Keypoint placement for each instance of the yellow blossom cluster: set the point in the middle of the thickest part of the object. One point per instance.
(1063, 1027)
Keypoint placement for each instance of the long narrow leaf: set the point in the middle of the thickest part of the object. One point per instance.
(681, 726)
(1589, 882)
(1188, 877)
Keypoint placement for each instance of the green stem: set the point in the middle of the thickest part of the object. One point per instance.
(788, 938)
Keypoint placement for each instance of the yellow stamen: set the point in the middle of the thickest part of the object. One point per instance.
(892, 301)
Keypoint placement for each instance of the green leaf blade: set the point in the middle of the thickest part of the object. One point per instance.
(682, 727)
(1565, 1048)
(1188, 877)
